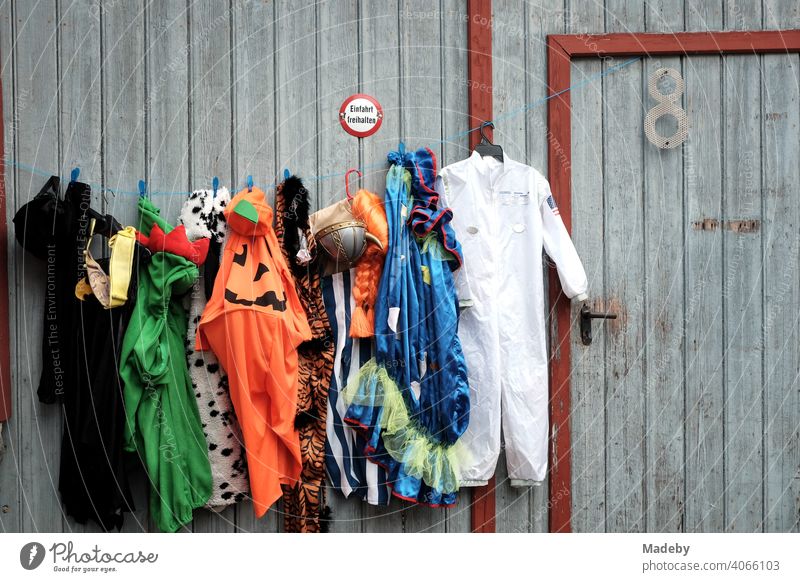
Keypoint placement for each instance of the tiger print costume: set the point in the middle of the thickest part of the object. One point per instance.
(304, 504)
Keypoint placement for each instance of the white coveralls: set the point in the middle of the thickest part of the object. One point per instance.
(503, 215)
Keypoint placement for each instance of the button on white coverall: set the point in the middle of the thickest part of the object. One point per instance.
(503, 215)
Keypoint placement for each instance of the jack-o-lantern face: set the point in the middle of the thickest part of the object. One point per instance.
(253, 284)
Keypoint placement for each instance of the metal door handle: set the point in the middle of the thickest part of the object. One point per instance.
(587, 315)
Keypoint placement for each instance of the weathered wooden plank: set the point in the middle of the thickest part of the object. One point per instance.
(781, 248)
(664, 304)
(742, 296)
(167, 105)
(123, 105)
(210, 139)
(254, 142)
(36, 111)
(80, 116)
(10, 488)
(782, 406)
(338, 77)
(588, 362)
(380, 77)
(703, 309)
(421, 102)
(742, 282)
(455, 148)
(513, 510)
(510, 80)
(296, 87)
(624, 237)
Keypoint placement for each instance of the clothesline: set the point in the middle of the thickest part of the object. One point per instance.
(323, 177)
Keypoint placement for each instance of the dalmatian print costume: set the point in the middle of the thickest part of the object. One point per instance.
(202, 215)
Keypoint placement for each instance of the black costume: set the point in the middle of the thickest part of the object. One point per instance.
(80, 353)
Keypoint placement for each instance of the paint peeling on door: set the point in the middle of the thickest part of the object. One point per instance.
(706, 224)
(743, 226)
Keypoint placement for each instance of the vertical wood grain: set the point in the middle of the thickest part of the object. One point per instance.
(664, 302)
(624, 263)
(781, 220)
(780, 152)
(36, 118)
(704, 484)
(742, 282)
(588, 362)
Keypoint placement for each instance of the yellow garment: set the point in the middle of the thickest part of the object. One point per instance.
(111, 290)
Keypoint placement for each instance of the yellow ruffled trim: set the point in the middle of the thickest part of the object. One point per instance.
(437, 464)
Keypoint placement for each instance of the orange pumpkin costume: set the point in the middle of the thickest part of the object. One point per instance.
(254, 323)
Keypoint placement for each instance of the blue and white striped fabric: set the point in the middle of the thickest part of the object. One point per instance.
(348, 469)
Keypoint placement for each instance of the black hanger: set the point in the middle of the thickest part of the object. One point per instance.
(486, 147)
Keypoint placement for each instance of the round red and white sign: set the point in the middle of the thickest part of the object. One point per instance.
(361, 115)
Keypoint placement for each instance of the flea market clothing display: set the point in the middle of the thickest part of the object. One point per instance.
(412, 400)
(162, 419)
(349, 470)
(387, 341)
(254, 323)
(80, 354)
(503, 212)
(304, 503)
(203, 218)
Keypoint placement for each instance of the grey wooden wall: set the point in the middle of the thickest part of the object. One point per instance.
(671, 427)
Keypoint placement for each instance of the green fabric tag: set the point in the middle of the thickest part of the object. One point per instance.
(246, 210)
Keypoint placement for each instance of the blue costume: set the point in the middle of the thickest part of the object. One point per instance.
(412, 400)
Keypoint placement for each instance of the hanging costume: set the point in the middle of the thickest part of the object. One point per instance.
(80, 353)
(304, 503)
(162, 420)
(254, 323)
(348, 468)
(504, 216)
(203, 217)
(350, 304)
(412, 400)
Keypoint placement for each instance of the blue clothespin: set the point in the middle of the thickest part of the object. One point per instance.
(215, 185)
(249, 183)
(73, 177)
(142, 189)
(402, 149)
(286, 173)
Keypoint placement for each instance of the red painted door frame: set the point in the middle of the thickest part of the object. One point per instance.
(561, 49)
(479, 73)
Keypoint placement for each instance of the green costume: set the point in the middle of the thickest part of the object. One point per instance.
(162, 420)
